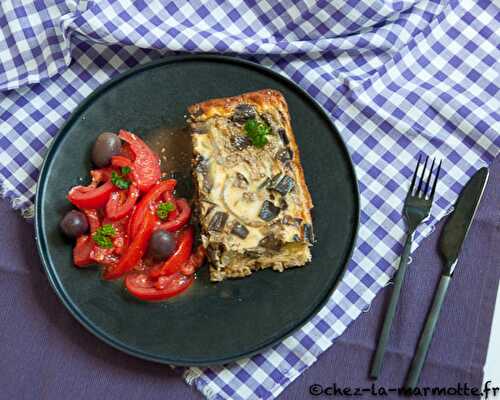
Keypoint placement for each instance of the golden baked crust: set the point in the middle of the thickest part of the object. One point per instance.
(214, 126)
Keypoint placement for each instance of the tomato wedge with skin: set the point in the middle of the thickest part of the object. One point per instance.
(143, 287)
(83, 250)
(121, 161)
(146, 204)
(93, 219)
(85, 197)
(180, 256)
(170, 198)
(183, 213)
(120, 240)
(195, 261)
(121, 202)
(146, 165)
(134, 251)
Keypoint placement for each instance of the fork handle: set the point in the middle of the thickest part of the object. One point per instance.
(425, 339)
(391, 310)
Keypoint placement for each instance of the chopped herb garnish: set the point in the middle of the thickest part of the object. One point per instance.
(119, 181)
(163, 209)
(125, 170)
(257, 132)
(102, 236)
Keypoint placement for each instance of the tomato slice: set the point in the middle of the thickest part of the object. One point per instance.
(93, 218)
(179, 220)
(144, 288)
(180, 256)
(121, 202)
(134, 251)
(170, 198)
(100, 175)
(83, 250)
(146, 203)
(195, 261)
(120, 240)
(121, 161)
(104, 257)
(146, 165)
(89, 197)
(127, 152)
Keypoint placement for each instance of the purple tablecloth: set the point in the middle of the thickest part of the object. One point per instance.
(46, 354)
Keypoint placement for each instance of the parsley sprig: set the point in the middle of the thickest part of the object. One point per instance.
(103, 235)
(119, 180)
(163, 209)
(257, 132)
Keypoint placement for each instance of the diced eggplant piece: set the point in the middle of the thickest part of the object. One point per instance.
(270, 242)
(239, 230)
(242, 181)
(308, 233)
(218, 221)
(243, 112)
(201, 166)
(240, 142)
(275, 180)
(284, 155)
(252, 254)
(199, 128)
(283, 136)
(265, 183)
(284, 186)
(269, 211)
(283, 204)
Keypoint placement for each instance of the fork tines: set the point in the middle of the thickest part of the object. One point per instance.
(425, 192)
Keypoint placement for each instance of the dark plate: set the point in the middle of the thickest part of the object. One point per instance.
(210, 323)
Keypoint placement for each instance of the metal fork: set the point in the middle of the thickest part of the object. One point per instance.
(416, 208)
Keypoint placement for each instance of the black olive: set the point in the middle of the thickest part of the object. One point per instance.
(161, 245)
(239, 230)
(106, 146)
(284, 185)
(74, 224)
(283, 136)
(268, 211)
(243, 112)
(240, 142)
(308, 233)
(270, 242)
(218, 221)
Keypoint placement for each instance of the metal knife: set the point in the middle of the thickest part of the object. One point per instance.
(450, 244)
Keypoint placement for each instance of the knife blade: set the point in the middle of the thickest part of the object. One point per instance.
(450, 243)
(458, 224)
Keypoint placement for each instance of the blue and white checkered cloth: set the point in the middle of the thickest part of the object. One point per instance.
(398, 77)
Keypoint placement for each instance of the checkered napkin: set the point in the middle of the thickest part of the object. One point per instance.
(398, 77)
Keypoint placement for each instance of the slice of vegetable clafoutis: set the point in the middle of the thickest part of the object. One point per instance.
(129, 221)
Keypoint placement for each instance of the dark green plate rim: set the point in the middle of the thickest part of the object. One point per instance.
(42, 246)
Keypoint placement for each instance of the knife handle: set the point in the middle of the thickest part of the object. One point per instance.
(425, 339)
(391, 310)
